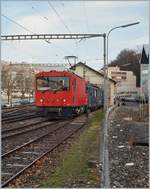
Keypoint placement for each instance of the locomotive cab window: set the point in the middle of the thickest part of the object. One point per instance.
(52, 83)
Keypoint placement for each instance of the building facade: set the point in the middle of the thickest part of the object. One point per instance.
(125, 81)
(95, 78)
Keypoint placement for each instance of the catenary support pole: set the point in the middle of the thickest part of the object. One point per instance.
(105, 75)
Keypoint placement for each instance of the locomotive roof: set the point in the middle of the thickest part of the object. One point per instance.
(54, 71)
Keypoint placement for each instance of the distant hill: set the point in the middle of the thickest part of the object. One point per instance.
(128, 60)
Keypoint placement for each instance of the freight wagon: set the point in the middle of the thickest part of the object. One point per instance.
(95, 97)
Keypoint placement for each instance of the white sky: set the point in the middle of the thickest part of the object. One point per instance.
(77, 17)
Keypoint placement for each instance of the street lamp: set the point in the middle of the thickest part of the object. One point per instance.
(107, 37)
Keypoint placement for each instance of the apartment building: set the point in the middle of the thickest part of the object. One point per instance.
(125, 81)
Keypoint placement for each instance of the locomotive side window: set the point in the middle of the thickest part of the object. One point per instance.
(52, 83)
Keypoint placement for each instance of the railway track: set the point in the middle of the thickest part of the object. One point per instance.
(21, 117)
(16, 112)
(16, 161)
(9, 109)
(23, 142)
(16, 137)
(7, 133)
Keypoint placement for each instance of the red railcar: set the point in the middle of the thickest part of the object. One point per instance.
(60, 93)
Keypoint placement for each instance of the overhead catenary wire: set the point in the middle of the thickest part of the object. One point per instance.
(11, 20)
(85, 16)
(85, 22)
(28, 30)
(48, 41)
(20, 25)
(39, 13)
(58, 15)
(62, 21)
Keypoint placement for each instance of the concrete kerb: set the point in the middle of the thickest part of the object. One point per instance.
(104, 155)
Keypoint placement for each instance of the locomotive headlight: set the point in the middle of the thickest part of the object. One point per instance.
(41, 100)
(64, 100)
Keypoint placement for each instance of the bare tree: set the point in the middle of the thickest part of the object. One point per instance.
(25, 82)
(20, 82)
(17, 79)
(8, 81)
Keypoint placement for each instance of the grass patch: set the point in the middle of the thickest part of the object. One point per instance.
(77, 168)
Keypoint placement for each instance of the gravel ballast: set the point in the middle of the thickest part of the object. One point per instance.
(128, 149)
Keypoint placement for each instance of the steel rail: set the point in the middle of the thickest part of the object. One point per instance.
(25, 131)
(11, 120)
(17, 116)
(40, 157)
(22, 126)
(33, 140)
(15, 113)
(16, 107)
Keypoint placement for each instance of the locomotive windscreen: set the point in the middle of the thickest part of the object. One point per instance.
(52, 83)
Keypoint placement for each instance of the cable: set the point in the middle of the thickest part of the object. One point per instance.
(58, 16)
(85, 15)
(48, 41)
(67, 28)
(85, 23)
(11, 20)
(17, 23)
(40, 14)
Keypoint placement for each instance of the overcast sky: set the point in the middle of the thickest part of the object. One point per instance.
(72, 17)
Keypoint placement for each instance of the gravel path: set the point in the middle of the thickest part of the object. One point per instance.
(128, 149)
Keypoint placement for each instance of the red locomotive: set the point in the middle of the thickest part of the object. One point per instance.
(61, 93)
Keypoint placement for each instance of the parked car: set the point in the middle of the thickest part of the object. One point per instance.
(8, 105)
(3, 105)
(17, 103)
(139, 99)
(24, 101)
(32, 101)
(130, 99)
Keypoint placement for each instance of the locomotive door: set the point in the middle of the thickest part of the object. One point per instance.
(74, 91)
